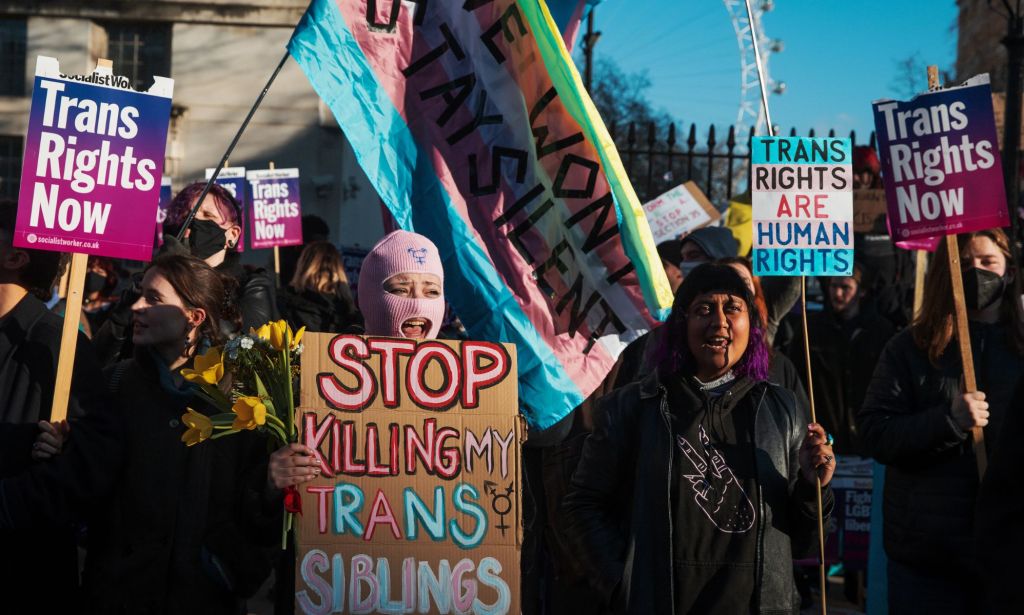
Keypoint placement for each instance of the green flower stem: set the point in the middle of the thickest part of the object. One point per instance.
(223, 433)
(276, 421)
(277, 431)
(290, 418)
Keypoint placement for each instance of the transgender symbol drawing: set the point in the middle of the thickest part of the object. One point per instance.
(419, 254)
(717, 493)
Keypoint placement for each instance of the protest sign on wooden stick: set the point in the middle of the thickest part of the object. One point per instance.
(90, 181)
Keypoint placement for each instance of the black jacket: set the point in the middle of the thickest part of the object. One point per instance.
(187, 529)
(618, 516)
(931, 483)
(36, 497)
(318, 312)
(843, 358)
(999, 530)
(256, 297)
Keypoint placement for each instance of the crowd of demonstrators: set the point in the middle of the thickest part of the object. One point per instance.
(684, 484)
(917, 420)
(318, 296)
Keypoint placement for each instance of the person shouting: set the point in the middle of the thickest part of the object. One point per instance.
(697, 487)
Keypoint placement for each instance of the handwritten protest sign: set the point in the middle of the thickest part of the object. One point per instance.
(941, 163)
(94, 155)
(679, 211)
(276, 208)
(233, 180)
(473, 125)
(417, 507)
(802, 205)
(869, 211)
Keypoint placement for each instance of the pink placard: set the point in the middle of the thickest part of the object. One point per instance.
(90, 180)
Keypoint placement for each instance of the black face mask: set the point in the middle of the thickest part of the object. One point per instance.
(205, 238)
(982, 288)
(94, 282)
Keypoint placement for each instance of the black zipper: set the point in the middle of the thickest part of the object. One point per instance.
(759, 555)
(668, 497)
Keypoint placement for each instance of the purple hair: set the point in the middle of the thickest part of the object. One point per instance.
(181, 205)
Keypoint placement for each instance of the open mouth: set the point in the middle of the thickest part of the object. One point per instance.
(717, 343)
(415, 328)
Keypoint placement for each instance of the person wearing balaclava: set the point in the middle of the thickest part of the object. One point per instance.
(401, 294)
(401, 287)
(917, 420)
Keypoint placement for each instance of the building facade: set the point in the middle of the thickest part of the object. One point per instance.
(220, 54)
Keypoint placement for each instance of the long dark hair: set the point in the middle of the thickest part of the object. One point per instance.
(709, 278)
(201, 287)
(933, 326)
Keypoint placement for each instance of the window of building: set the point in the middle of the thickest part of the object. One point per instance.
(139, 51)
(12, 50)
(10, 165)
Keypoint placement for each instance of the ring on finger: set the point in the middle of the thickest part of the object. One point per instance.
(829, 440)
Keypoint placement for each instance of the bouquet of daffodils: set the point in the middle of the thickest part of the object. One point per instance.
(250, 382)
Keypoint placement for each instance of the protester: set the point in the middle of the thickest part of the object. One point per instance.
(41, 565)
(669, 253)
(318, 296)
(847, 338)
(697, 487)
(999, 533)
(213, 236)
(314, 228)
(99, 292)
(917, 420)
(183, 531)
(401, 294)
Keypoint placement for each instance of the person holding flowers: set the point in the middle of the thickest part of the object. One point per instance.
(187, 529)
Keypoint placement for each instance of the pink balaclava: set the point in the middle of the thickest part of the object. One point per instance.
(399, 252)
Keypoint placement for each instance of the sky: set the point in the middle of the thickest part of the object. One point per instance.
(838, 56)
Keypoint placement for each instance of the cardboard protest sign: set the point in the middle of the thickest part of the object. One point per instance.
(850, 530)
(276, 208)
(94, 156)
(679, 211)
(869, 211)
(941, 163)
(802, 205)
(233, 180)
(417, 507)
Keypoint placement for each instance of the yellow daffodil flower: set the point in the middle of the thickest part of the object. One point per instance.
(279, 332)
(297, 339)
(262, 333)
(250, 412)
(199, 427)
(208, 368)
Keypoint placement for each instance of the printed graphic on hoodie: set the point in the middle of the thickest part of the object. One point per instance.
(715, 488)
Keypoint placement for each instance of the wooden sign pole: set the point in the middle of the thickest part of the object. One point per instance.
(920, 266)
(963, 335)
(277, 253)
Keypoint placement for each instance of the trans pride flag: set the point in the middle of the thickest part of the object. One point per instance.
(471, 122)
(568, 15)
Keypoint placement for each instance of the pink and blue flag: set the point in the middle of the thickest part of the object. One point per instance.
(472, 123)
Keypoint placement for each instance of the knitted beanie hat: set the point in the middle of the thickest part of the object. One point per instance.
(383, 312)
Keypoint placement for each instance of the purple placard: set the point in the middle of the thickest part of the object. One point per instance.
(93, 162)
(233, 180)
(276, 208)
(161, 209)
(940, 161)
